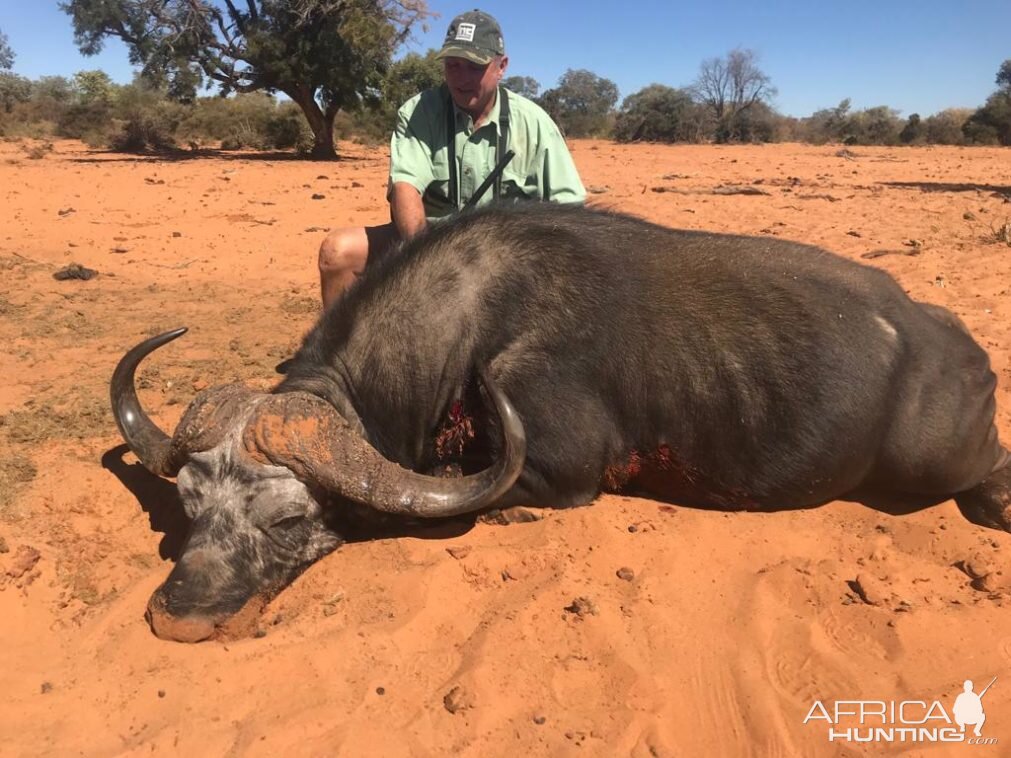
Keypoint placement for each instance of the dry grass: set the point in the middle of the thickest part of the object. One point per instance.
(77, 418)
(16, 471)
(39, 150)
(1002, 233)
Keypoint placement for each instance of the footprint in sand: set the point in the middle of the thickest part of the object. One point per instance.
(806, 658)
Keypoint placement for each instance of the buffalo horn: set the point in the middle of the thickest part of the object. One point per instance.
(202, 427)
(308, 436)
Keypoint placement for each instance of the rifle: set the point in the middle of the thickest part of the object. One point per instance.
(490, 180)
(987, 687)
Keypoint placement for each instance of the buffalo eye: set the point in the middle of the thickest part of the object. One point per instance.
(288, 523)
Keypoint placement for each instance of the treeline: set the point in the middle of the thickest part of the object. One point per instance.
(728, 102)
(138, 117)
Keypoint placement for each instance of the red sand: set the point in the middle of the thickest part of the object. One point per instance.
(725, 631)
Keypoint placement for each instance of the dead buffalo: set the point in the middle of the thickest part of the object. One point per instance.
(549, 353)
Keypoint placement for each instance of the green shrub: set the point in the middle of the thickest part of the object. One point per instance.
(146, 122)
(78, 119)
(285, 128)
(139, 134)
(945, 128)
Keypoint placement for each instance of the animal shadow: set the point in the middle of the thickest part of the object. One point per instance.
(359, 523)
(158, 498)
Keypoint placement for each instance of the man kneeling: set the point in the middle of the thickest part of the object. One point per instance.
(447, 142)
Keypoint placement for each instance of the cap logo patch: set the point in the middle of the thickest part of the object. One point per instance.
(465, 32)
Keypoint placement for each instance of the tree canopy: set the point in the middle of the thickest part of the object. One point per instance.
(1004, 76)
(6, 54)
(526, 86)
(657, 113)
(991, 123)
(581, 103)
(325, 55)
(731, 86)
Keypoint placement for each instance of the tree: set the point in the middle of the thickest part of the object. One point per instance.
(582, 102)
(915, 130)
(992, 123)
(14, 89)
(407, 77)
(50, 97)
(656, 113)
(6, 54)
(325, 55)
(526, 86)
(90, 108)
(877, 126)
(94, 87)
(830, 124)
(730, 86)
(1004, 76)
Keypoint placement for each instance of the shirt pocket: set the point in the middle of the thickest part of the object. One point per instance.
(518, 186)
(437, 202)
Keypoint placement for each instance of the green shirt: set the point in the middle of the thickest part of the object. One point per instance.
(542, 168)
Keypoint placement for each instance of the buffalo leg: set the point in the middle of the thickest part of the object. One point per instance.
(989, 502)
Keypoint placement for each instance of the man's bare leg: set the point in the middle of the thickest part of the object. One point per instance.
(344, 253)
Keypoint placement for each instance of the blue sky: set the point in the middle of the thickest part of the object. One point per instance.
(919, 57)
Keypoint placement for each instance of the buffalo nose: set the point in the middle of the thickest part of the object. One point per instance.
(193, 628)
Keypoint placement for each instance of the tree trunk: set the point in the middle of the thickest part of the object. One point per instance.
(321, 123)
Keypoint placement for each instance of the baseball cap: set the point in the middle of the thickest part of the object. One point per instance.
(475, 36)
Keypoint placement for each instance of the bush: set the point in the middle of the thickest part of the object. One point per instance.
(14, 89)
(144, 121)
(78, 119)
(237, 122)
(756, 124)
(287, 128)
(656, 113)
(945, 128)
(141, 132)
(254, 121)
(991, 124)
(873, 126)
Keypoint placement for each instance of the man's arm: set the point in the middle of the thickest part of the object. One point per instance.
(407, 210)
(559, 178)
(411, 169)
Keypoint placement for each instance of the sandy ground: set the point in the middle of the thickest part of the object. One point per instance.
(719, 639)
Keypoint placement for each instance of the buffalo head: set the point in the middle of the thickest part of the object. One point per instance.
(255, 472)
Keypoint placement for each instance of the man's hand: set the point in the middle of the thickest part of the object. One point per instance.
(407, 210)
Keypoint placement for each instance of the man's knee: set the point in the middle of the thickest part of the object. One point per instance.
(344, 250)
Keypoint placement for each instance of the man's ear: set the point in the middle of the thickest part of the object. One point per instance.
(503, 65)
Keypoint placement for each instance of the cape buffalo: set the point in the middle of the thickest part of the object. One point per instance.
(548, 353)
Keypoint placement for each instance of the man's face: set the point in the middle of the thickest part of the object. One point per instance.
(471, 84)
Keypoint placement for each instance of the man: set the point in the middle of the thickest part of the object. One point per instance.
(485, 123)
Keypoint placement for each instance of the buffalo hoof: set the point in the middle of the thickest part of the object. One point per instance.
(989, 503)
